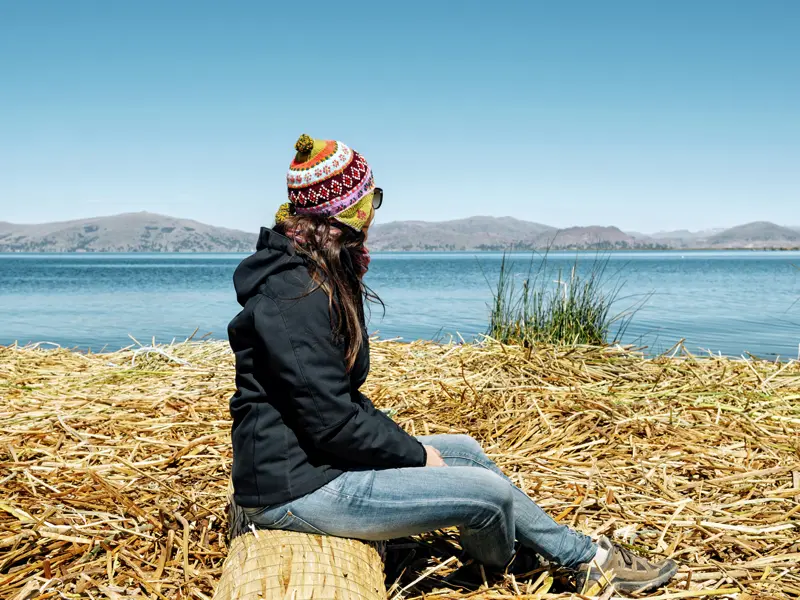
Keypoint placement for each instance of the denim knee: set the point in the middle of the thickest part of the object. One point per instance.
(465, 444)
(496, 500)
(488, 534)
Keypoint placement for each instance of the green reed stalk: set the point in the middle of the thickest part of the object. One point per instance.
(558, 308)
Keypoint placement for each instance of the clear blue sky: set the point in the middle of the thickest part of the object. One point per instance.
(646, 115)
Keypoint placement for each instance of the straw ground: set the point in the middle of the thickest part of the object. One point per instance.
(114, 467)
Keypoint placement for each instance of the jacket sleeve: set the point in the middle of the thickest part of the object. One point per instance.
(311, 368)
(365, 402)
(370, 408)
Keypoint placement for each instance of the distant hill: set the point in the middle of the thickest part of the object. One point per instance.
(675, 235)
(757, 235)
(147, 232)
(490, 233)
(760, 234)
(685, 234)
(594, 237)
(496, 233)
(474, 233)
(132, 232)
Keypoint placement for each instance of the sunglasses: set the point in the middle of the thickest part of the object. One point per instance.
(377, 198)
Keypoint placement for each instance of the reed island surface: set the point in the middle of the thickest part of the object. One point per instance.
(115, 467)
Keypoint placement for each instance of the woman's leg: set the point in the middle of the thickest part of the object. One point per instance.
(534, 528)
(394, 503)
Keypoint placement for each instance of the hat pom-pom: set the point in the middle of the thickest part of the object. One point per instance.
(305, 144)
(285, 211)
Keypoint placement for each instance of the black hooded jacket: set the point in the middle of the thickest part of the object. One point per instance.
(299, 419)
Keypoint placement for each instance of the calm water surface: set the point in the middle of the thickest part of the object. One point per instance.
(728, 302)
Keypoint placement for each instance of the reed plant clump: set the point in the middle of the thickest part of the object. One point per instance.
(114, 468)
(549, 306)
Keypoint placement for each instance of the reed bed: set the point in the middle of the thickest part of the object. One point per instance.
(545, 305)
(114, 467)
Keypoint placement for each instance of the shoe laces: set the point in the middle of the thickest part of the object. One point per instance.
(627, 556)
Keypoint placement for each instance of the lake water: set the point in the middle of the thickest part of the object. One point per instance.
(728, 302)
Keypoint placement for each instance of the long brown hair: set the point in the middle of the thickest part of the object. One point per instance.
(332, 252)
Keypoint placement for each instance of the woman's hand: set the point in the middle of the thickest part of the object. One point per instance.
(434, 457)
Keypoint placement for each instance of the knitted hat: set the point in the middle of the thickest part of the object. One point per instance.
(328, 178)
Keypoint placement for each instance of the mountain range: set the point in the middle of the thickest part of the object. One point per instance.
(490, 233)
(147, 232)
(131, 232)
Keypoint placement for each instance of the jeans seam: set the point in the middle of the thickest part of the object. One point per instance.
(592, 549)
(470, 457)
(326, 487)
(466, 455)
(496, 517)
(562, 541)
(438, 501)
(275, 524)
(309, 525)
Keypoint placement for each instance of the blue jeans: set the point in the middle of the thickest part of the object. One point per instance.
(471, 493)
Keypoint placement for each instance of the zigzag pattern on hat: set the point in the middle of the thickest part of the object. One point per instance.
(340, 203)
(328, 178)
(331, 187)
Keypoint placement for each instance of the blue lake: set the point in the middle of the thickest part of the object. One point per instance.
(728, 302)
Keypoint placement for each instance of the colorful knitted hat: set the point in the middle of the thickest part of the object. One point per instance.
(328, 178)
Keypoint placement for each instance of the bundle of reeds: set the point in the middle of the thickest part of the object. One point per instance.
(286, 565)
(114, 467)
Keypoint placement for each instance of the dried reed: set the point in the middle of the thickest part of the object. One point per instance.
(114, 470)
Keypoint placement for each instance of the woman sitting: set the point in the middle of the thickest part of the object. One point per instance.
(311, 453)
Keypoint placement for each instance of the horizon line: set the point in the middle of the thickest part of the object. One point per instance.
(497, 218)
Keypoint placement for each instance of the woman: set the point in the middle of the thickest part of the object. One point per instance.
(310, 451)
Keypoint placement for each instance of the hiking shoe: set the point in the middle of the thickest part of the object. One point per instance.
(623, 571)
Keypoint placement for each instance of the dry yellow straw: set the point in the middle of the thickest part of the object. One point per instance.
(113, 474)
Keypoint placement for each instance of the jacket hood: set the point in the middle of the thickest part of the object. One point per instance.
(274, 253)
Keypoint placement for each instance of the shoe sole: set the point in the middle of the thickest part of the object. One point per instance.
(649, 586)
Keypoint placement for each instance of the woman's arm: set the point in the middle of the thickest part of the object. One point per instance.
(311, 367)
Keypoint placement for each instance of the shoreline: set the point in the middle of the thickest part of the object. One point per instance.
(510, 250)
(676, 351)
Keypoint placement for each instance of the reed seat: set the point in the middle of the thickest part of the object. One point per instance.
(286, 565)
